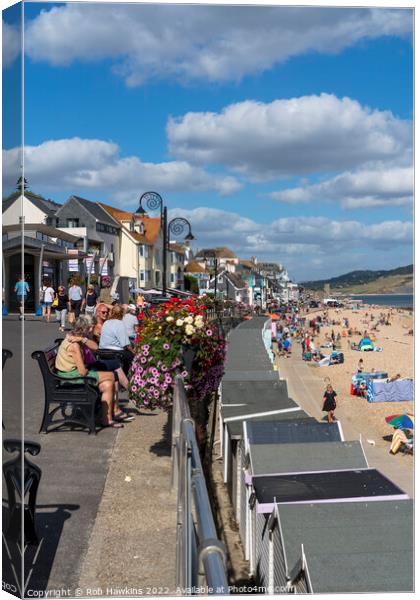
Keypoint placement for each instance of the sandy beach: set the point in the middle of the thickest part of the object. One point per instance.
(397, 357)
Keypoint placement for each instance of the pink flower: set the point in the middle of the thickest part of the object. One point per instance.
(184, 374)
(143, 359)
(209, 332)
(134, 388)
(166, 346)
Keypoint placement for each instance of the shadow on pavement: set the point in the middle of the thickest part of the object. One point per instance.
(37, 559)
(163, 446)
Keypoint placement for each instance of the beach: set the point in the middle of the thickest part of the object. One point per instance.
(397, 357)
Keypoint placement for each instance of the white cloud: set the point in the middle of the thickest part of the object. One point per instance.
(11, 43)
(290, 137)
(217, 43)
(367, 188)
(306, 245)
(89, 164)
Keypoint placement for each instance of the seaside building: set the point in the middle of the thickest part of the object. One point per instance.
(32, 207)
(96, 231)
(46, 255)
(194, 269)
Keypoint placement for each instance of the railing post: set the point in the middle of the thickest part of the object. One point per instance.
(176, 421)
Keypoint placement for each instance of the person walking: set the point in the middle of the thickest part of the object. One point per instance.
(75, 296)
(90, 301)
(63, 305)
(21, 290)
(330, 402)
(47, 299)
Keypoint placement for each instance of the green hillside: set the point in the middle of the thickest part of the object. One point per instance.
(367, 281)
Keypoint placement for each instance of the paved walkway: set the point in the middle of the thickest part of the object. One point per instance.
(132, 545)
(85, 505)
(308, 390)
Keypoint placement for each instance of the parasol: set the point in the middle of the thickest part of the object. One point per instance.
(401, 421)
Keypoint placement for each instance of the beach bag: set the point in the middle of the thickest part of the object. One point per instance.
(55, 301)
(38, 311)
(88, 356)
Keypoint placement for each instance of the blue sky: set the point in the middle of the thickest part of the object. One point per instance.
(284, 133)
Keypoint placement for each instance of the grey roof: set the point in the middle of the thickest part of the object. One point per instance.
(49, 207)
(265, 375)
(292, 433)
(49, 230)
(236, 280)
(97, 211)
(352, 546)
(251, 408)
(252, 392)
(235, 428)
(267, 459)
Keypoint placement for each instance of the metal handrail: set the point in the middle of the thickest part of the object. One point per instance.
(200, 555)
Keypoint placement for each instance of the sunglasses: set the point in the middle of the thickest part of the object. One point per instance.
(104, 312)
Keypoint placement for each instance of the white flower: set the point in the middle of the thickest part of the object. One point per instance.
(199, 325)
(170, 319)
(180, 322)
(189, 329)
(199, 319)
(189, 319)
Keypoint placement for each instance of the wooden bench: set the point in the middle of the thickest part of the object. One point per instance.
(73, 404)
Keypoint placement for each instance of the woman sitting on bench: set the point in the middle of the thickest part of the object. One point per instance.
(70, 365)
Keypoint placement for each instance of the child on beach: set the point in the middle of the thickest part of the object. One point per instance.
(330, 402)
(360, 366)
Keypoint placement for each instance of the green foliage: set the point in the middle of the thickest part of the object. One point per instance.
(356, 277)
(191, 284)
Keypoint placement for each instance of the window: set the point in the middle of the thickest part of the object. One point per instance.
(172, 277)
(148, 275)
(157, 257)
(141, 250)
(72, 222)
(141, 275)
(157, 277)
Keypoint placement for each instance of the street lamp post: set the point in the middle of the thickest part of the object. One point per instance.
(213, 255)
(177, 226)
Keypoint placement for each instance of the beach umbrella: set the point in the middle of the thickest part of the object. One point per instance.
(401, 421)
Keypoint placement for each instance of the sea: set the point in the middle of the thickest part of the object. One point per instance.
(397, 300)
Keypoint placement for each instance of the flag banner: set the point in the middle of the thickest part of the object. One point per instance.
(89, 264)
(73, 265)
(103, 266)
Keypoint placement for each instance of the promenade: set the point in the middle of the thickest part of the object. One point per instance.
(105, 513)
(308, 390)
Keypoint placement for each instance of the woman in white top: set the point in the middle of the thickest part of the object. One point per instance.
(47, 299)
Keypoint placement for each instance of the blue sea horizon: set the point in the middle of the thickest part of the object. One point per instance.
(396, 300)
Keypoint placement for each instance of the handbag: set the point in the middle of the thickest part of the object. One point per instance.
(71, 318)
(88, 357)
(55, 301)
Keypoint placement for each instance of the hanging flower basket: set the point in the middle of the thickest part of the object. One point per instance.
(175, 338)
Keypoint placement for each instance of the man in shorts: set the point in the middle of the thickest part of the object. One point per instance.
(21, 290)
